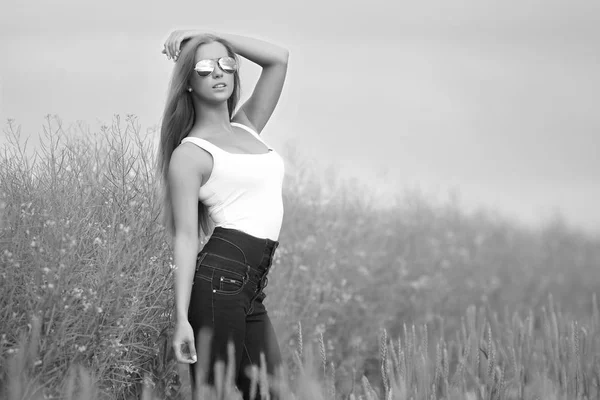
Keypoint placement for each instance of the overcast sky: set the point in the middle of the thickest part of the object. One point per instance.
(498, 99)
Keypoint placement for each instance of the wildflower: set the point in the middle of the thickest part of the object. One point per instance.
(37, 362)
(97, 241)
(51, 286)
(46, 270)
(130, 369)
(99, 309)
(33, 244)
(81, 349)
(148, 381)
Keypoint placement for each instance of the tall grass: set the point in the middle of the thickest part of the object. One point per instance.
(416, 300)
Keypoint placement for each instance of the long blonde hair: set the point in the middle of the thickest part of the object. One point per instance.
(178, 120)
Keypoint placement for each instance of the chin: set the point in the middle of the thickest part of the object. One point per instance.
(224, 95)
(218, 98)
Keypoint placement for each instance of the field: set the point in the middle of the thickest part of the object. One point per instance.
(412, 301)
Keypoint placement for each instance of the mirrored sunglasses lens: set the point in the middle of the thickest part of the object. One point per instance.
(205, 67)
(228, 64)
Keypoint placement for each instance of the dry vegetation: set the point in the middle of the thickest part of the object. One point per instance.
(417, 301)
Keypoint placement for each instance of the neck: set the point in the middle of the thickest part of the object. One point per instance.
(211, 117)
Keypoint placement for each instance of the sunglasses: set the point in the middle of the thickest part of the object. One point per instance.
(206, 67)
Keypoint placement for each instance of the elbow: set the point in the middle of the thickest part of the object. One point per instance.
(284, 56)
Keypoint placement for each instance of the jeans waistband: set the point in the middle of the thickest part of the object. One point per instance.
(242, 250)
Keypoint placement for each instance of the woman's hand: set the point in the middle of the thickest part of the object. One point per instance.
(184, 335)
(171, 47)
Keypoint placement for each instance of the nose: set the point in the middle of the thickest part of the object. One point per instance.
(218, 72)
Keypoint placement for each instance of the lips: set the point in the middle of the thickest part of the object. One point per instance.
(219, 85)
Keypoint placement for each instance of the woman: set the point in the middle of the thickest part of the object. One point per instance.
(216, 166)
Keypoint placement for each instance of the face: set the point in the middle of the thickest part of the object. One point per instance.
(205, 86)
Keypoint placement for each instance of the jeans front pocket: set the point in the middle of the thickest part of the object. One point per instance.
(227, 277)
(228, 282)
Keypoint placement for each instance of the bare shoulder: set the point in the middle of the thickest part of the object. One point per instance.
(189, 161)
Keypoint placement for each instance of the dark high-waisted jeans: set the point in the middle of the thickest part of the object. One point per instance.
(227, 297)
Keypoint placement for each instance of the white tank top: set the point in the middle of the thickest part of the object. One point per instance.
(244, 191)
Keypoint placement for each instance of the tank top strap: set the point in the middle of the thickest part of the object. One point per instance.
(204, 144)
(248, 129)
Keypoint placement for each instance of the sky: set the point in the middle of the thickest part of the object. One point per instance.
(495, 99)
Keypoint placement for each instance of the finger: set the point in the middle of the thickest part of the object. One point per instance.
(178, 355)
(164, 50)
(178, 47)
(172, 45)
(192, 347)
(167, 46)
(172, 42)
